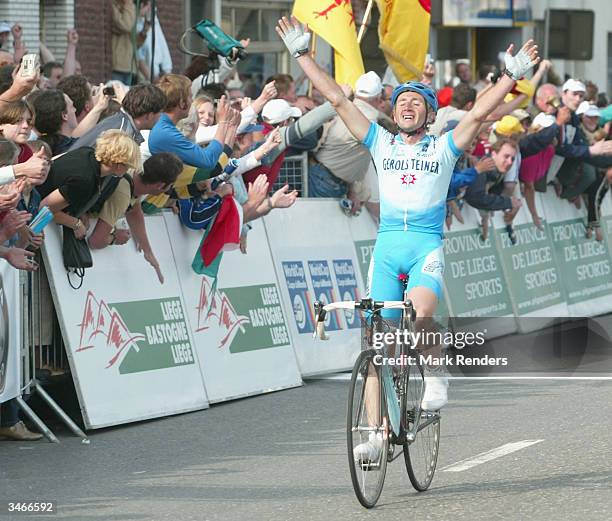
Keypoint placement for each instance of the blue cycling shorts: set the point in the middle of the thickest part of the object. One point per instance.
(420, 255)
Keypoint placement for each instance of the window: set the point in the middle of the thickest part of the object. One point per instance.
(266, 53)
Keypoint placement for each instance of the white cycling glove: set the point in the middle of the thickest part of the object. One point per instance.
(297, 41)
(517, 66)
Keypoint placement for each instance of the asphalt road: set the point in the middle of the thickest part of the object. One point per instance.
(282, 456)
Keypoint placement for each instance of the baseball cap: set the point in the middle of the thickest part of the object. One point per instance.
(278, 110)
(5, 27)
(508, 125)
(586, 109)
(368, 85)
(573, 85)
(543, 120)
(521, 114)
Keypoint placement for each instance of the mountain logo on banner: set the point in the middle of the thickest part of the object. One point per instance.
(100, 321)
(245, 318)
(136, 336)
(215, 310)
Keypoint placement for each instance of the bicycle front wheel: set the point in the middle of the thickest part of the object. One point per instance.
(420, 454)
(367, 430)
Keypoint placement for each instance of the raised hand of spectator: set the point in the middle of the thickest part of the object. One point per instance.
(35, 168)
(273, 139)
(258, 190)
(99, 98)
(545, 65)
(122, 236)
(348, 90)
(485, 164)
(72, 37)
(224, 189)
(13, 222)
(234, 118)
(564, 115)
(17, 32)
(222, 110)
(601, 148)
(23, 85)
(20, 259)
(245, 102)
(9, 197)
(283, 198)
(268, 93)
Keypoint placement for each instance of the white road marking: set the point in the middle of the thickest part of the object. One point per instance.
(489, 455)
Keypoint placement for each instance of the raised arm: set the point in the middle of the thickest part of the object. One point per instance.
(297, 41)
(516, 67)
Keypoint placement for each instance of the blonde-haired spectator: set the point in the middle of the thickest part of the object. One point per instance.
(76, 177)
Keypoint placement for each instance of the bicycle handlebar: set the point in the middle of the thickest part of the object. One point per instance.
(366, 304)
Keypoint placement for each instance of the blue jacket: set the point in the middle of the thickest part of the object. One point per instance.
(165, 137)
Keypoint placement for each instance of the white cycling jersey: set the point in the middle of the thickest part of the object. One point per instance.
(413, 179)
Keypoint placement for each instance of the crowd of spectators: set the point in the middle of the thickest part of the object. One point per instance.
(190, 141)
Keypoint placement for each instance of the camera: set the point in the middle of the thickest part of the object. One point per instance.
(218, 42)
(30, 64)
(109, 91)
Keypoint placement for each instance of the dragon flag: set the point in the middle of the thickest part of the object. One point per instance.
(403, 31)
(333, 20)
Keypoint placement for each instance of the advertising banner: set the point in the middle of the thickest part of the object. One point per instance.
(584, 264)
(315, 259)
(363, 230)
(530, 268)
(474, 277)
(238, 324)
(10, 332)
(127, 337)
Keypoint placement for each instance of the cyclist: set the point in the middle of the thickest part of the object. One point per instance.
(414, 171)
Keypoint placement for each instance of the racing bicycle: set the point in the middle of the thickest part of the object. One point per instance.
(385, 400)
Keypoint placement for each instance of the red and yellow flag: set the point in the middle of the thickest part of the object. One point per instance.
(333, 21)
(403, 31)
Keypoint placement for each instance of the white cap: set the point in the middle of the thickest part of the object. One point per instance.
(543, 120)
(278, 110)
(5, 27)
(586, 109)
(573, 85)
(368, 85)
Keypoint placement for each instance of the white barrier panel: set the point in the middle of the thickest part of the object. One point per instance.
(10, 332)
(584, 264)
(314, 260)
(127, 338)
(473, 276)
(530, 269)
(240, 328)
(606, 218)
(363, 232)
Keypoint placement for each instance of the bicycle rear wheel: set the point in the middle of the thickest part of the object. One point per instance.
(363, 422)
(420, 455)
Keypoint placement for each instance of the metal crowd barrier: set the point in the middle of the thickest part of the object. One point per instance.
(294, 172)
(42, 348)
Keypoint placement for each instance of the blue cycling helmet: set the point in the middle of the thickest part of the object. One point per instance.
(429, 95)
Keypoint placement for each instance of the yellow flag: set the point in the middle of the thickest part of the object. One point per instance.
(333, 21)
(403, 31)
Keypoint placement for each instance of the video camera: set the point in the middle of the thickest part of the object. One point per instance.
(218, 42)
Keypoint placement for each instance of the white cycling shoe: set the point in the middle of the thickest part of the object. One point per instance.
(369, 451)
(436, 389)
